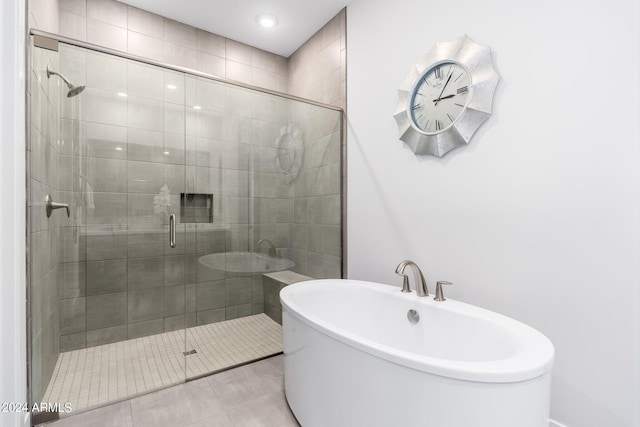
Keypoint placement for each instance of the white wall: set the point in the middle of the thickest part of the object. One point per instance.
(13, 377)
(537, 218)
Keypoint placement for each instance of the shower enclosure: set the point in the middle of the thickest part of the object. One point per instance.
(177, 192)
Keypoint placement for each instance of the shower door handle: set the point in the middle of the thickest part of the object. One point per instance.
(172, 230)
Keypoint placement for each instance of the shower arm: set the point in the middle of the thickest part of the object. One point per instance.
(50, 73)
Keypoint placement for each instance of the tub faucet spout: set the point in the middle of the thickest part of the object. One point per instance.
(271, 248)
(421, 284)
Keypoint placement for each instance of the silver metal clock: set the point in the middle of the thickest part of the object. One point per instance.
(447, 95)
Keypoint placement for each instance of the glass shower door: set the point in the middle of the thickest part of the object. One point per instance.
(118, 161)
(227, 324)
(264, 181)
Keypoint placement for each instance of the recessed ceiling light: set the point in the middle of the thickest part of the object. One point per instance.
(122, 94)
(267, 21)
(172, 87)
(197, 107)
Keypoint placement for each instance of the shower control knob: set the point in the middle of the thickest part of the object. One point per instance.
(50, 205)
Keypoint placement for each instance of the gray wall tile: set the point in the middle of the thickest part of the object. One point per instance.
(145, 145)
(144, 113)
(109, 208)
(73, 315)
(107, 35)
(145, 304)
(112, 12)
(236, 311)
(210, 316)
(107, 175)
(145, 45)
(179, 33)
(106, 335)
(146, 241)
(174, 323)
(257, 289)
(145, 177)
(144, 329)
(174, 118)
(72, 279)
(72, 244)
(106, 141)
(211, 43)
(210, 295)
(191, 298)
(174, 152)
(174, 300)
(238, 291)
(105, 243)
(106, 72)
(145, 272)
(174, 270)
(208, 242)
(104, 311)
(73, 341)
(106, 277)
(78, 7)
(141, 210)
(106, 107)
(205, 274)
(145, 81)
(179, 54)
(145, 22)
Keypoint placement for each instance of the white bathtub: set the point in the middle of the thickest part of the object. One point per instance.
(352, 359)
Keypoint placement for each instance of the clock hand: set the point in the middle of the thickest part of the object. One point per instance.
(445, 97)
(444, 87)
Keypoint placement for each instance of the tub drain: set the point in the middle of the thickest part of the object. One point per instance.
(413, 316)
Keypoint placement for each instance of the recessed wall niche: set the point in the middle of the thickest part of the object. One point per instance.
(196, 208)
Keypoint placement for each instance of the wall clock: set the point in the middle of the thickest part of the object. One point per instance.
(446, 97)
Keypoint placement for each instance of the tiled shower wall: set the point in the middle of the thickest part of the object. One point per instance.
(315, 235)
(43, 161)
(125, 28)
(317, 70)
(122, 145)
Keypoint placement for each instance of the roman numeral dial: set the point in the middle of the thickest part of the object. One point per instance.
(439, 97)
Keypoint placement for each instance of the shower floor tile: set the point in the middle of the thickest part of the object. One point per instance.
(98, 375)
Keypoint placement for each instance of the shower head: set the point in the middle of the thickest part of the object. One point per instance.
(73, 89)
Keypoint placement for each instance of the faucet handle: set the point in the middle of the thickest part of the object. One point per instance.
(405, 284)
(439, 294)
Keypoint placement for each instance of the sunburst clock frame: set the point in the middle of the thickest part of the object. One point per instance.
(447, 95)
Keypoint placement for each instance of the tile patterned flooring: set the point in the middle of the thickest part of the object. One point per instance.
(99, 375)
(248, 396)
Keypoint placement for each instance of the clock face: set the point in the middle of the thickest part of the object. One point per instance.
(439, 97)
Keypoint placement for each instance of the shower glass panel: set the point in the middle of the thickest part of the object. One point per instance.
(264, 177)
(114, 288)
(252, 179)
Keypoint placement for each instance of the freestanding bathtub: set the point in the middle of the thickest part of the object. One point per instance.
(352, 358)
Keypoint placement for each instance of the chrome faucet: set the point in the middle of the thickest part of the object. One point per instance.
(271, 248)
(421, 284)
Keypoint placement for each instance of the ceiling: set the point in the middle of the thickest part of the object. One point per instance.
(298, 20)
